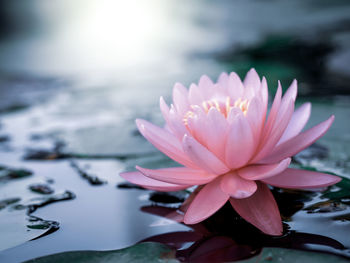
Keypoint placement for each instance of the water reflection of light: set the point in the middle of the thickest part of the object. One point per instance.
(110, 30)
(89, 35)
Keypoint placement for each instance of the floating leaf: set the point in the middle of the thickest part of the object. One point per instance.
(140, 253)
(342, 192)
(272, 255)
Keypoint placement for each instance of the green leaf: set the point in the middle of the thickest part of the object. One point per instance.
(272, 255)
(143, 252)
(342, 192)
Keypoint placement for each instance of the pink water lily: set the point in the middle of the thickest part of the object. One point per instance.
(231, 149)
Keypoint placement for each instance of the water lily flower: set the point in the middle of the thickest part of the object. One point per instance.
(232, 148)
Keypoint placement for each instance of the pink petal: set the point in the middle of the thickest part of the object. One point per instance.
(216, 132)
(260, 210)
(236, 186)
(201, 156)
(197, 125)
(262, 171)
(255, 117)
(273, 112)
(297, 123)
(222, 86)
(164, 108)
(176, 216)
(240, 143)
(219, 92)
(235, 86)
(280, 122)
(223, 80)
(151, 184)
(264, 94)
(207, 202)
(165, 142)
(180, 98)
(292, 91)
(251, 83)
(274, 108)
(232, 115)
(299, 142)
(302, 179)
(173, 123)
(195, 96)
(176, 123)
(206, 86)
(183, 208)
(282, 119)
(178, 175)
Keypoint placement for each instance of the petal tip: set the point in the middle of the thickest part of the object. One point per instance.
(162, 100)
(308, 105)
(252, 70)
(122, 174)
(140, 123)
(177, 84)
(240, 194)
(275, 232)
(328, 123)
(189, 221)
(222, 75)
(337, 179)
(294, 84)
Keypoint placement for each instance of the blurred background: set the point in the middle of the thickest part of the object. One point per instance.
(75, 74)
(100, 64)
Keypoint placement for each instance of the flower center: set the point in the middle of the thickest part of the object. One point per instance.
(223, 106)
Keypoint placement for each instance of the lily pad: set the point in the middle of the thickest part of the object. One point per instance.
(341, 193)
(272, 255)
(143, 252)
(156, 252)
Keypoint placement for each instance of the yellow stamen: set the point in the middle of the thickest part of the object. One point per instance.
(228, 105)
(187, 116)
(237, 103)
(223, 108)
(205, 106)
(217, 105)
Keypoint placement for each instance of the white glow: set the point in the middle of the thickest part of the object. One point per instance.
(111, 30)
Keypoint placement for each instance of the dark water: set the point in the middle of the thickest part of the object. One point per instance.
(71, 86)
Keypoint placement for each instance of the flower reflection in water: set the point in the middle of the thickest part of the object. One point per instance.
(227, 237)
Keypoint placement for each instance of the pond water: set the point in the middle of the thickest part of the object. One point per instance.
(71, 86)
